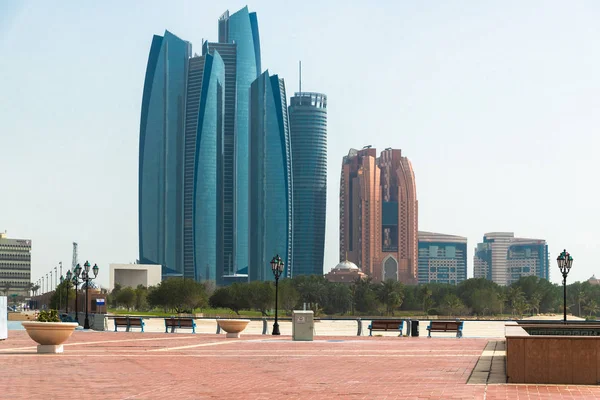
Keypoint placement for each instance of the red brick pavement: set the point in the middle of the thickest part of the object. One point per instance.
(107, 365)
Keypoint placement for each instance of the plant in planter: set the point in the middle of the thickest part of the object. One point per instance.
(49, 332)
(48, 316)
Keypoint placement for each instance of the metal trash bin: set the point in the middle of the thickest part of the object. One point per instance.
(302, 325)
(414, 331)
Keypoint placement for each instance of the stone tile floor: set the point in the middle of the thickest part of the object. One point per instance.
(108, 365)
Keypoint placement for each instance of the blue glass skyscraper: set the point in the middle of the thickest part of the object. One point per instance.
(160, 157)
(194, 152)
(203, 127)
(308, 136)
(240, 30)
(270, 166)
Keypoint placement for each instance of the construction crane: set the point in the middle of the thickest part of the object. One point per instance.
(75, 262)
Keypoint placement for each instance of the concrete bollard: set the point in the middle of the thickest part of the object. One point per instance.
(264, 321)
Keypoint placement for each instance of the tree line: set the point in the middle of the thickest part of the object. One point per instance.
(472, 297)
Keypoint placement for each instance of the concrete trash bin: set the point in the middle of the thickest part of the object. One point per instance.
(302, 325)
(414, 330)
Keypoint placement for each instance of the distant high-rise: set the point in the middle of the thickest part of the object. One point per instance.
(504, 259)
(161, 154)
(379, 214)
(270, 177)
(194, 146)
(241, 31)
(15, 265)
(442, 258)
(308, 136)
(203, 127)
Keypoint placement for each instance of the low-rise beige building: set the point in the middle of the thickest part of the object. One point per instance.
(15, 266)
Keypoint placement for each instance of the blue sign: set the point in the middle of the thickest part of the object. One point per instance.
(100, 302)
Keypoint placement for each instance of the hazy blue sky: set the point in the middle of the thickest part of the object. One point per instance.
(496, 103)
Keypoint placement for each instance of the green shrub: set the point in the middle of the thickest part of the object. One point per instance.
(48, 316)
(432, 311)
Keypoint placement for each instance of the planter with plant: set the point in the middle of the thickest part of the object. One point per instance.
(49, 332)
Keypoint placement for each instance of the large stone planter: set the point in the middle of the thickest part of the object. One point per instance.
(233, 327)
(49, 335)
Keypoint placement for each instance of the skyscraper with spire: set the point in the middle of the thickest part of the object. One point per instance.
(308, 137)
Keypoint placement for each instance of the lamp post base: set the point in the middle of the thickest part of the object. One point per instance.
(276, 329)
(86, 324)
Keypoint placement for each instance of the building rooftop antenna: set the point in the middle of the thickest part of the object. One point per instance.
(300, 75)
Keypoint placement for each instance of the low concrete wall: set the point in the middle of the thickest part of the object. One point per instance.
(3, 318)
(551, 359)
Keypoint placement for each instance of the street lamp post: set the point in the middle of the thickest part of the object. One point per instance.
(85, 277)
(69, 277)
(277, 268)
(60, 293)
(565, 262)
(76, 282)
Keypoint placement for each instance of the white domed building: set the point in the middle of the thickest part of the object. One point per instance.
(345, 272)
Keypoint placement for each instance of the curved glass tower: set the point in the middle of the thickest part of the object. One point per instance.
(241, 29)
(203, 127)
(308, 136)
(160, 158)
(270, 200)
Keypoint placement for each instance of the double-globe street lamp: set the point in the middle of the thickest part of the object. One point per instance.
(68, 284)
(85, 278)
(75, 280)
(277, 268)
(565, 262)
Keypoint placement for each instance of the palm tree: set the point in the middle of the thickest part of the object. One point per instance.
(452, 303)
(534, 301)
(426, 293)
(6, 287)
(517, 300)
(502, 299)
(592, 307)
(391, 294)
(581, 298)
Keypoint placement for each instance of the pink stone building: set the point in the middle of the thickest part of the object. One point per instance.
(379, 214)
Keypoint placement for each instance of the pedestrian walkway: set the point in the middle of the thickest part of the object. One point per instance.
(472, 329)
(136, 365)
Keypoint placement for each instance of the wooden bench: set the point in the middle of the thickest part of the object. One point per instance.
(179, 323)
(386, 325)
(446, 326)
(129, 322)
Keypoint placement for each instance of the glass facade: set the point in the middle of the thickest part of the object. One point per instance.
(442, 258)
(161, 158)
(204, 124)
(270, 176)
(308, 137)
(505, 259)
(194, 151)
(241, 28)
(225, 163)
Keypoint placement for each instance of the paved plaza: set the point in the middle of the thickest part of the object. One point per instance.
(132, 365)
